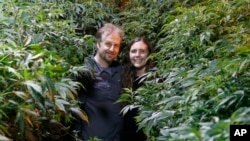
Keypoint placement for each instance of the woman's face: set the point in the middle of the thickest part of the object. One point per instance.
(138, 54)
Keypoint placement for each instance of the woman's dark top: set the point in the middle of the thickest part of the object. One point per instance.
(130, 127)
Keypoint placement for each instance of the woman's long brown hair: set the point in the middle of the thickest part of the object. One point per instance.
(129, 71)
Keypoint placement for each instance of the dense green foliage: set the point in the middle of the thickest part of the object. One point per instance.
(203, 60)
(37, 41)
(202, 52)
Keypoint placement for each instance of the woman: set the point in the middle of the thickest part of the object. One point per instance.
(138, 64)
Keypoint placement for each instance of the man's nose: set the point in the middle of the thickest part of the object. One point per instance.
(112, 48)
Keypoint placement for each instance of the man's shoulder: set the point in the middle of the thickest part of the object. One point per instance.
(89, 62)
(117, 65)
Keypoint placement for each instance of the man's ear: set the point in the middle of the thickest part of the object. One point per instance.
(98, 45)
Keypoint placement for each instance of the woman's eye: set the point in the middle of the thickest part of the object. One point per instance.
(142, 51)
(133, 51)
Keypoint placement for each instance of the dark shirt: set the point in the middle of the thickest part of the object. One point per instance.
(105, 121)
(130, 129)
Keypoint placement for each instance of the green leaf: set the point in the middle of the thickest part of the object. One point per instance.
(80, 113)
(47, 85)
(60, 103)
(21, 94)
(3, 138)
(32, 84)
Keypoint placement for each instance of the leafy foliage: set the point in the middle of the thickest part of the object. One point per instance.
(67, 26)
(35, 96)
(36, 91)
(203, 50)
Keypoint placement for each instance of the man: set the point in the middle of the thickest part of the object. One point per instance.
(102, 91)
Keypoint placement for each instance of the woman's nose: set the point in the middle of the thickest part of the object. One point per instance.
(137, 53)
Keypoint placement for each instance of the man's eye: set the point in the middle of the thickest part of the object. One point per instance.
(117, 46)
(108, 44)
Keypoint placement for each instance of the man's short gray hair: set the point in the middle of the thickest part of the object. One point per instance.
(107, 29)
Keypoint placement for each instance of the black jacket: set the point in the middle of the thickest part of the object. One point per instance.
(98, 101)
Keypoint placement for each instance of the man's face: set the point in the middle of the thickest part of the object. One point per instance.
(108, 49)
